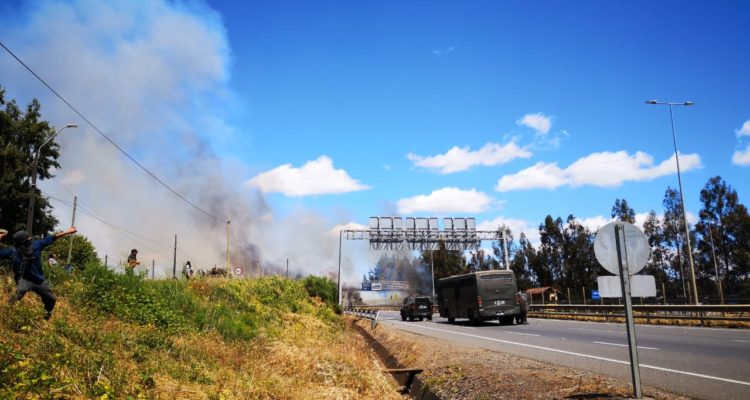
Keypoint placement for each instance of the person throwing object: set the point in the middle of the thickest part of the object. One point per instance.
(26, 260)
(133, 259)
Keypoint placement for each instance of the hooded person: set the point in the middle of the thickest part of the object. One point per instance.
(26, 260)
(133, 259)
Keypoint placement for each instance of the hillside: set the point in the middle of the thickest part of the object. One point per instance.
(121, 336)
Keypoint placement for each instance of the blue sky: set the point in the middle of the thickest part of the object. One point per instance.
(325, 113)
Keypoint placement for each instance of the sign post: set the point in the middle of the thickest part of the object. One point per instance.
(622, 249)
(625, 284)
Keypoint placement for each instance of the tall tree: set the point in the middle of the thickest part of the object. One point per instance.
(21, 134)
(658, 264)
(674, 233)
(725, 220)
(580, 263)
(505, 243)
(447, 262)
(622, 211)
(551, 250)
(527, 265)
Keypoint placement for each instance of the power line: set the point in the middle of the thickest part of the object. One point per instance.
(88, 211)
(124, 232)
(107, 137)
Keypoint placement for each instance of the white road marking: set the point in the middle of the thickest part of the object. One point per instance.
(625, 345)
(647, 366)
(741, 341)
(525, 334)
(596, 330)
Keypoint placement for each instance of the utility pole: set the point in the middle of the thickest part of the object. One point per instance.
(174, 260)
(338, 284)
(505, 251)
(72, 223)
(229, 219)
(153, 264)
(432, 271)
(287, 267)
(716, 267)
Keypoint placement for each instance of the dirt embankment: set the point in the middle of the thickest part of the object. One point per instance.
(457, 372)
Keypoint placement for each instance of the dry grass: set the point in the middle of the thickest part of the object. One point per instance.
(79, 354)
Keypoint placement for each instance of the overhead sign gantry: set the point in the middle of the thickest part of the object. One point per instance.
(419, 234)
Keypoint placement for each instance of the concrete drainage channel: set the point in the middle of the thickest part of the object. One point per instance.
(403, 375)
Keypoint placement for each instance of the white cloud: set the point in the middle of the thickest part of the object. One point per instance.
(352, 226)
(741, 157)
(439, 52)
(315, 177)
(605, 169)
(73, 177)
(446, 200)
(517, 226)
(595, 222)
(745, 130)
(538, 122)
(460, 159)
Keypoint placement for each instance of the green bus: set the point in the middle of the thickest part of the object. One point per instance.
(479, 296)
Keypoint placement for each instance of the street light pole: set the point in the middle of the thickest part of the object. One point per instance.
(682, 194)
(33, 176)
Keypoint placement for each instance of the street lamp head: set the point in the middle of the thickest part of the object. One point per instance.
(651, 102)
(71, 126)
(689, 103)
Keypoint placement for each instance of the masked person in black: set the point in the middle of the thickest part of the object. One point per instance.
(26, 260)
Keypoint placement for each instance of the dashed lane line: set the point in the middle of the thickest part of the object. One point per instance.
(596, 330)
(625, 345)
(521, 333)
(647, 366)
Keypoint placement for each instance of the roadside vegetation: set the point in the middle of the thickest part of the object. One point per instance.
(122, 336)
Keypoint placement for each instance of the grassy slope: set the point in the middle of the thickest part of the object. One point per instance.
(119, 336)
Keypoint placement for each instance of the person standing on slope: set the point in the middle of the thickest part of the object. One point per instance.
(26, 260)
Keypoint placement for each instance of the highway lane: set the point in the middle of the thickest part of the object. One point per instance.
(706, 363)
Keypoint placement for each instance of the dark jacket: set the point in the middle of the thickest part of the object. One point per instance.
(29, 268)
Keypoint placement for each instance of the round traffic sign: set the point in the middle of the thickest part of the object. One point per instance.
(238, 271)
(633, 246)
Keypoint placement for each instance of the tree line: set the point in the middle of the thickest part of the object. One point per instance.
(22, 133)
(564, 257)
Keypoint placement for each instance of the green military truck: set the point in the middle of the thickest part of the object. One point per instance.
(416, 307)
(479, 296)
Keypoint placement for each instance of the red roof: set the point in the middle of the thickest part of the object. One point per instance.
(541, 290)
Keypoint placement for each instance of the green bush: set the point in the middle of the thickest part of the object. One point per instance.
(323, 288)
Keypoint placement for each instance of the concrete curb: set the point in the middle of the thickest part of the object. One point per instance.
(418, 389)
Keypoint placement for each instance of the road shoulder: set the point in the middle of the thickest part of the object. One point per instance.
(454, 371)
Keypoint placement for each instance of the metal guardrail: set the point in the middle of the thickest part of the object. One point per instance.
(368, 313)
(702, 313)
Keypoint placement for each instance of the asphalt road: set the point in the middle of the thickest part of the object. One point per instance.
(704, 363)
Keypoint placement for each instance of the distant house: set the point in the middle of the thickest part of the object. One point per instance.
(544, 295)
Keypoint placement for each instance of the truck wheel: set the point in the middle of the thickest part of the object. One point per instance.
(421, 318)
(403, 317)
(429, 317)
(451, 320)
